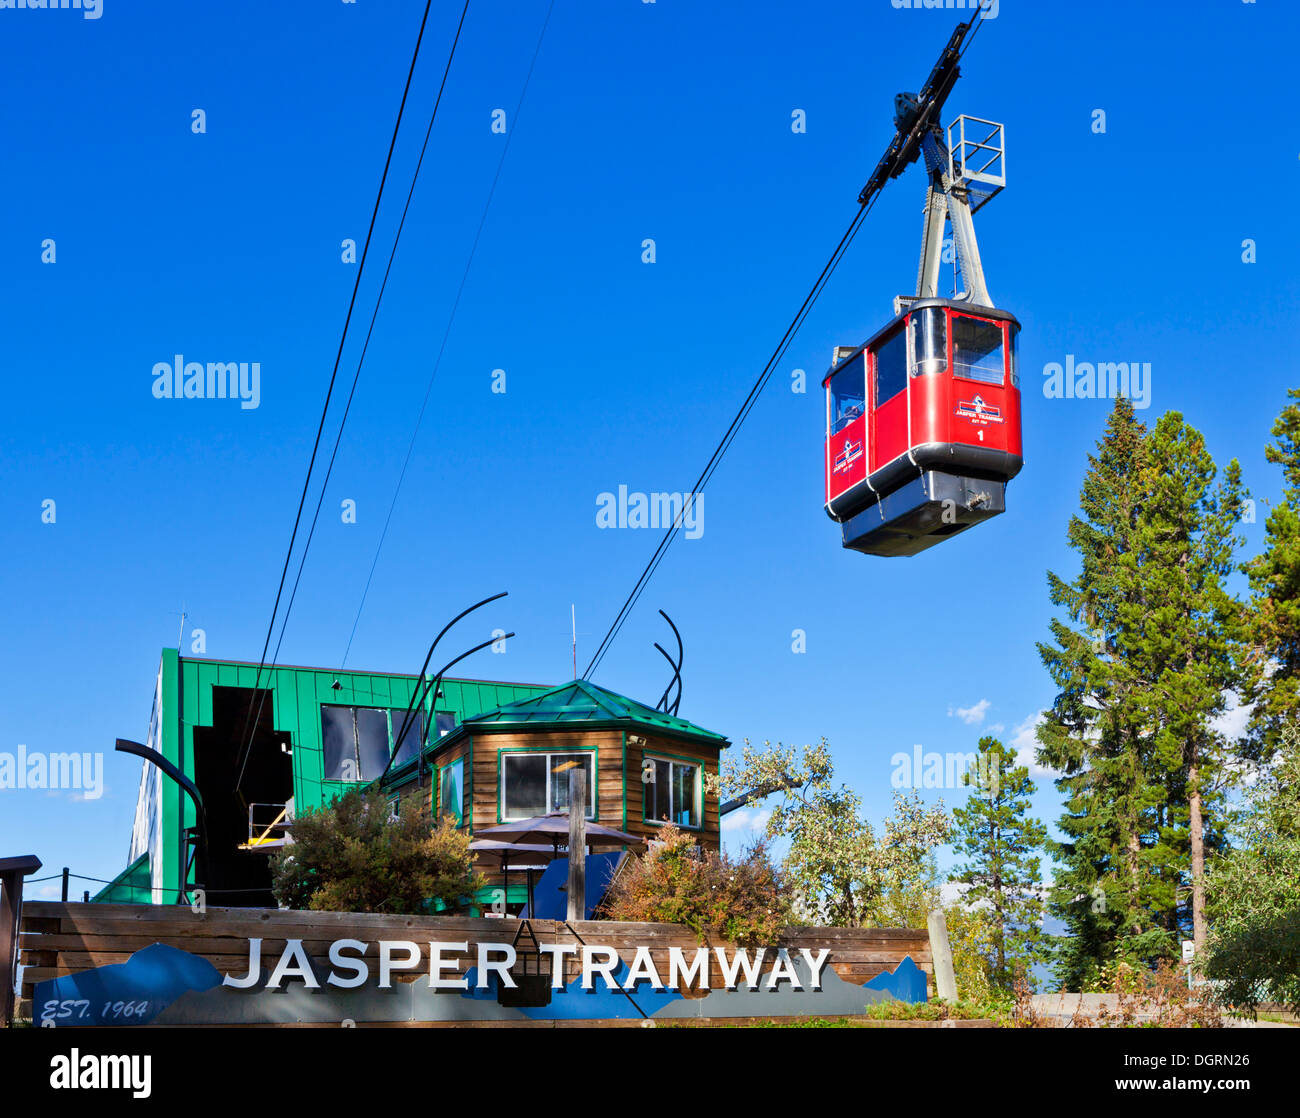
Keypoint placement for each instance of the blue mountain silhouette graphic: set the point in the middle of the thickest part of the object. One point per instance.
(574, 1003)
(156, 975)
(906, 982)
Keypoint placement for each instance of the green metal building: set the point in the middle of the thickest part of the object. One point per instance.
(299, 741)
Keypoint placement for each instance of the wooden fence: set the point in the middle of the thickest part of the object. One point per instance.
(60, 939)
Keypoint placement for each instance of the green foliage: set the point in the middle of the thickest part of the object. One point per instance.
(999, 840)
(971, 937)
(1149, 998)
(740, 900)
(840, 870)
(1254, 946)
(937, 1010)
(1273, 621)
(350, 857)
(1142, 665)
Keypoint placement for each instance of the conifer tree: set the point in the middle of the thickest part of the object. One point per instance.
(1103, 889)
(1273, 621)
(1000, 842)
(1188, 651)
(1142, 670)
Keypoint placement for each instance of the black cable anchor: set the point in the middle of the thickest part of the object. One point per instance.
(663, 703)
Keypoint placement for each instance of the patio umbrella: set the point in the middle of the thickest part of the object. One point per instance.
(554, 828)
(497, 853)
(525, 833)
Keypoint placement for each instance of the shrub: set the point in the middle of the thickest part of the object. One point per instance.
(740, 900)
(937, 1010)
(972, 937)
(1254, 894)
(351, 857)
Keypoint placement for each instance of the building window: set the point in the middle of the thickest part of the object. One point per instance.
(673, 795)
(538, 783)
(451, 791)
(410, 743)
(357, 741)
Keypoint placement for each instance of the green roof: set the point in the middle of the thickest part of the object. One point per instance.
(586, 704)
(579, 705)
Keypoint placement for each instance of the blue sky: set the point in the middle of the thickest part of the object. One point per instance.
(669, 121)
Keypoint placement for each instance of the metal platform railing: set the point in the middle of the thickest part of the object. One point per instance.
(269, 826)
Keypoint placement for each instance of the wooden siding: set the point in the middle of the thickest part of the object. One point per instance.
(670, 749)
(487, 750)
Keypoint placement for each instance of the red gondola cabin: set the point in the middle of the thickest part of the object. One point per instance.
(923, 427)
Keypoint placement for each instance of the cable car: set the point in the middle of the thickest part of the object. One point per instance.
(923, 419)
(923, 427)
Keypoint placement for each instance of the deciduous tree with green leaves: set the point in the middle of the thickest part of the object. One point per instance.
(1000, 841)
(1254, 893)
(841, 871)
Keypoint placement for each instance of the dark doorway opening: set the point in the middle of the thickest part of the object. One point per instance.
(234, 877)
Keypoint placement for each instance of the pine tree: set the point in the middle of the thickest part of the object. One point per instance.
(1188, 651)
(1104, 889)
(1273, 623)
(1154, 650)
(1000, 841)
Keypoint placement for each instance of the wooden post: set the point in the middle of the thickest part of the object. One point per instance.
(945, 981)
(577, 909)
(12, 872)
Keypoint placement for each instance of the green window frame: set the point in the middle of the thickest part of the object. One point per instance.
(676, 793)
(555, 795)
(458, 811)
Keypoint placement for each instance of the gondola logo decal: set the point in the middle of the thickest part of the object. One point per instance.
(979, 411)
(851, 453)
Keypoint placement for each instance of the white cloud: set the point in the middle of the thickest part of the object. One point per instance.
(746, 820)
(972, 716)
(1024, 741)
(1232, 722)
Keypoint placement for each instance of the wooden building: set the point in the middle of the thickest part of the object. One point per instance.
(644, 767)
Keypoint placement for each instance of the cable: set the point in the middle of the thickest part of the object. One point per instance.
(730, 434)
(729, 437)
(302, 500)
(383, 535)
